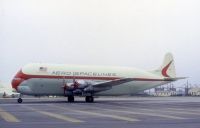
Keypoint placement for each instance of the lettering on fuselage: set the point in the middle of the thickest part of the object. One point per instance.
(64, 73)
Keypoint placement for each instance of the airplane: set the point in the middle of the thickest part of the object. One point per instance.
(7, 91)
(39, 79)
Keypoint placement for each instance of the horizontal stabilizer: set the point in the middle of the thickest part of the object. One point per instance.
(174, 79)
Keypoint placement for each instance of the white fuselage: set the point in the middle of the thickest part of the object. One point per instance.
(48, 79)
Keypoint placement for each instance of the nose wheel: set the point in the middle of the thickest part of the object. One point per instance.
(19, 100)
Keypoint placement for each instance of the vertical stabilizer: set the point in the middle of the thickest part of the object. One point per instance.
(167, 69)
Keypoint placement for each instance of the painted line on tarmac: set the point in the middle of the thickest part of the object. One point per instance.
(98, 114)
(148, 114)
(140, 113)
(187, 109)
(170, 111)
(182, 111)
(54, 115)
(7, 116)
(143, 113)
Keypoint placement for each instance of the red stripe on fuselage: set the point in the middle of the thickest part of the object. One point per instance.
(20, 77)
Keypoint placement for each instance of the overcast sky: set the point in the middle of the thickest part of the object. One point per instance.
(133, 33)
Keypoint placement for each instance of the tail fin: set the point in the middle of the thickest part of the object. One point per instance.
(167, 69)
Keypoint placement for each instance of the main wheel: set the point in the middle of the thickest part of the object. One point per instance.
(19, 100)
(89, 99)
(70, 98)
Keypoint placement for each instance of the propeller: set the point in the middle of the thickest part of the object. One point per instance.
(65, 87)
(75, 84)
(75, 87)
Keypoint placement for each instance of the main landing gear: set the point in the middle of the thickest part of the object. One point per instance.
(70, 98)
(89, 99)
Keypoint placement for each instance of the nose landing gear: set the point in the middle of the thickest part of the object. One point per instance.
(19, 100)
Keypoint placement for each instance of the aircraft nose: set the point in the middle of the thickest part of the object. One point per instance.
(17, 80)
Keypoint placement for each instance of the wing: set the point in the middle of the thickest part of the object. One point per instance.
(113, 82)
(106, 85)
(109, 84)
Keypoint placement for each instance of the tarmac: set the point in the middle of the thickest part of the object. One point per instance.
(112, 112)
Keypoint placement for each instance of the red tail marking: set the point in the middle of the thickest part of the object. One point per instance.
(164, 70)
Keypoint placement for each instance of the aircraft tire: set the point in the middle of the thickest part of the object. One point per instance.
(89, 99)
(70, 98)
(19, 100)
